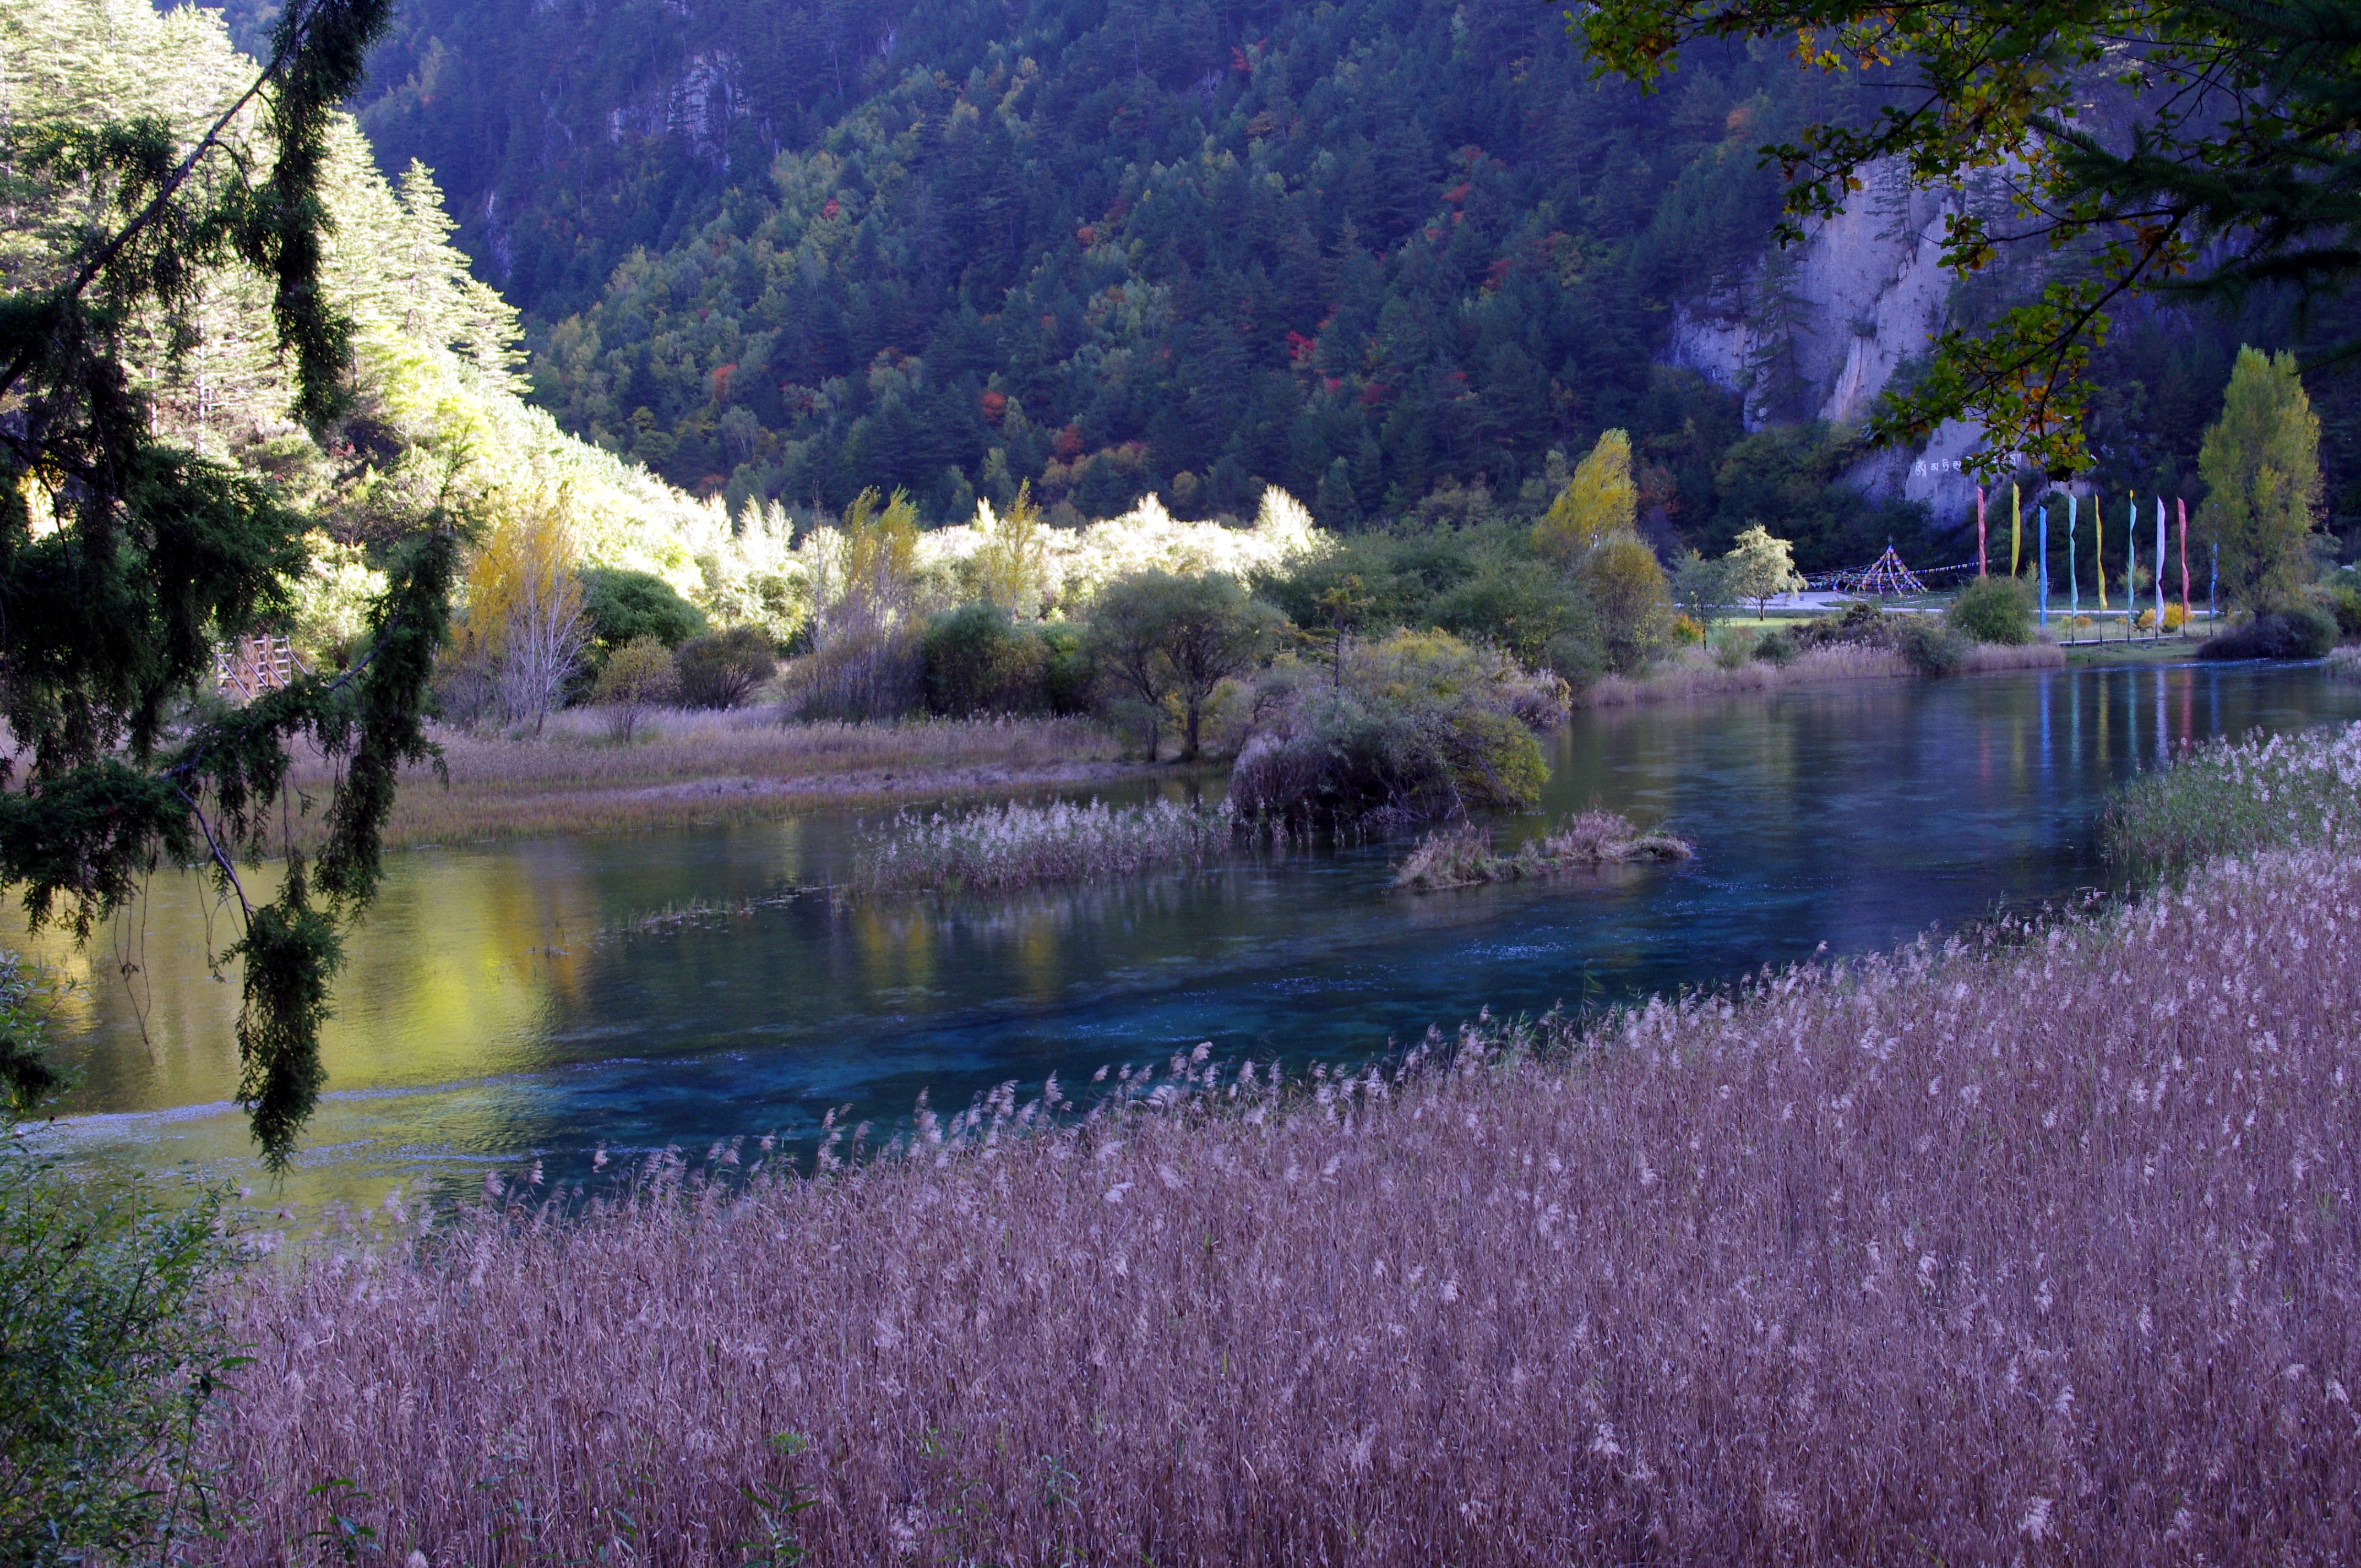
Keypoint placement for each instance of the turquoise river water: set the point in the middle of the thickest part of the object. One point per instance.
(507, 1003)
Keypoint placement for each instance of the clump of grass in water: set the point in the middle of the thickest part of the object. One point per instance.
(996, 848)
(2234, 797)
(1464, 857)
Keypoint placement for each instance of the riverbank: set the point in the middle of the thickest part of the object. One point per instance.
(1694, 673)
(697, 768)
(1866, 1263)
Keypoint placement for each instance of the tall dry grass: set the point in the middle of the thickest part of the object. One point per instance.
(2041, 1249)
(692, 766)
(997, 847)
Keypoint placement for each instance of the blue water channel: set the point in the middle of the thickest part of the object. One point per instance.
(509, 1003)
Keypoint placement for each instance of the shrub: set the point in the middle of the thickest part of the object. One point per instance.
(2296, 631)
(2343, 601)
(1418, 727)
(1632, 598)
(978, 661)
(720, 669)
(637, 676)
(1778, 647)
(109, 1362)
(625, 606)
(866, 673)
(1685, 633)
(1732, 648)
(1575, 658)
(1932, 648)
(1994, 609)
(1068, 678)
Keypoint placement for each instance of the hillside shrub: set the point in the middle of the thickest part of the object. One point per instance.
(722, 669)
(1418, 727)
(978, 661)
(2292, 631)
(1994, 609)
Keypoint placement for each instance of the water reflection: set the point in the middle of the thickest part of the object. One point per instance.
(499, 1004)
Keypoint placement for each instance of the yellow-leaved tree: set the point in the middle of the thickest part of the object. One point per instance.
(524, 634)
(1011, 567)
(1599, 499)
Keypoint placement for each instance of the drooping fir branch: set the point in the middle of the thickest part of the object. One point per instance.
(122, 559)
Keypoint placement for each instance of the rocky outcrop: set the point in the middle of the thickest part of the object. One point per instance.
(1818, 331)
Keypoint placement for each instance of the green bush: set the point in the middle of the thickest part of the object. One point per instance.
(979, 660)
(625, 605)
(1994, 609)
(108, 1357)
(637, 676)
(1068, 679)
(2343, 601)
(1931, 647)
(720, 669)
(108, 1364)
(1777, 647)
(2295, 631)
(1417, 727)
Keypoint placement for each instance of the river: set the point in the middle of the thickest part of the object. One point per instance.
(513, 1002)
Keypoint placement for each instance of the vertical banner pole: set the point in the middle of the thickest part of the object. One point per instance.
(2043, 524)
(2073, 578)
(2099, 549)
(2180, 504)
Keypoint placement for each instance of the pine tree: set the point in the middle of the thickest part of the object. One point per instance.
(2261, 466)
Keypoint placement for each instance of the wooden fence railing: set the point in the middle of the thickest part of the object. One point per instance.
(251, 665)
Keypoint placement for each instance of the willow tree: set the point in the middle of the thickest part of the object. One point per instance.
(125, 558)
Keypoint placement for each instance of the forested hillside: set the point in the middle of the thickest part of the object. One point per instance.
(1362, 250)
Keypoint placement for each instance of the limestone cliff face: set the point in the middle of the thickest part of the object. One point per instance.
(1818, 332)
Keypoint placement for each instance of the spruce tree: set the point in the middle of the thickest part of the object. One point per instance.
(126, 556)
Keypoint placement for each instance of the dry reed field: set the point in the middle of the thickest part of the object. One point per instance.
(2039, 1246)
(708, 767)
(996, 848)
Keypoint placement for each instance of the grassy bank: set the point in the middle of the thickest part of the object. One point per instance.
(2042, 1248)
(2235, 796)
(716, 767)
